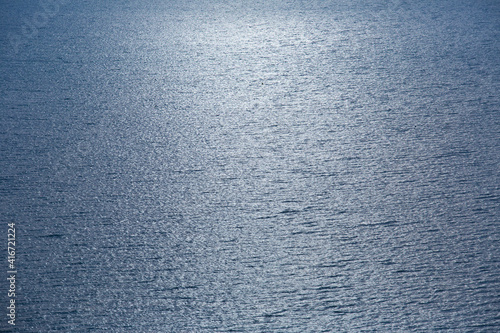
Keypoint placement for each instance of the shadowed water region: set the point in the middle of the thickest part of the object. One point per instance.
(264, 166)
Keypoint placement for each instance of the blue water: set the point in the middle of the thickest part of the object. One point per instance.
(252, 166)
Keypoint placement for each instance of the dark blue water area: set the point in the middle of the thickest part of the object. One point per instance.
(251, 166)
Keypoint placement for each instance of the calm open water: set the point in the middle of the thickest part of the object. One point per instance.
(252, 166)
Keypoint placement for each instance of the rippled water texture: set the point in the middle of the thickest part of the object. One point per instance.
(277, 166)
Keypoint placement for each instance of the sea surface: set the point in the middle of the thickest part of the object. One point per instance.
(251, 166)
